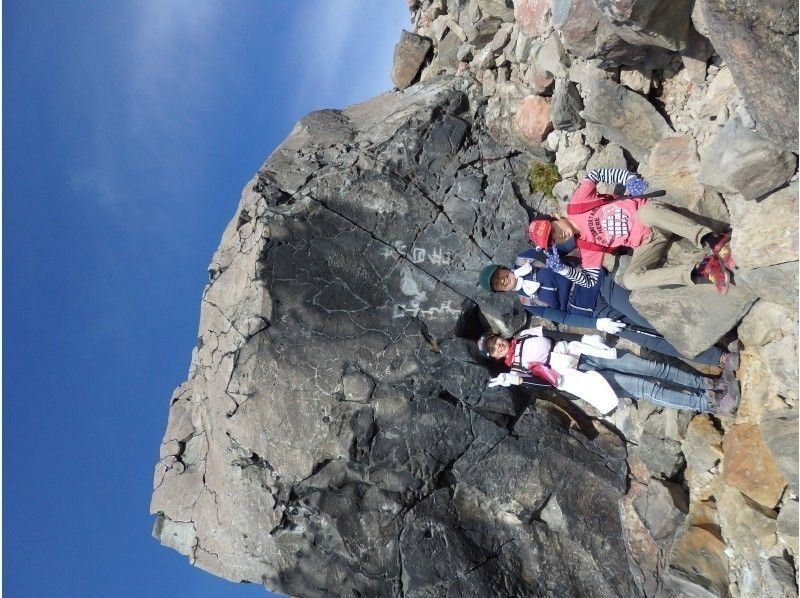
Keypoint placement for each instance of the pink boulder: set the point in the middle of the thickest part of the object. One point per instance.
(532, 120)
(533, 16)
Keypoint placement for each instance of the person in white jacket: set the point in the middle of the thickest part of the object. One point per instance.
(599, 374)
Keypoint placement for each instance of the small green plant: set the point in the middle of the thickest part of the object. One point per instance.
(542, 177)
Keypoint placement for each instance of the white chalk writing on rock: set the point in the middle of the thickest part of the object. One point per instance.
(436, 255)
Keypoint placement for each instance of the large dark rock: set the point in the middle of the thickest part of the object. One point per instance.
(335, 435)
(409, 56)
(758, 40)
(566, 107)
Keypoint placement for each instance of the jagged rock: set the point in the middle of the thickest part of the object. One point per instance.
(774, 283)
(720, 93)
(583, 72)
(533, 16)
(780, 434)
(695, 57)
(748, 529)
(702, 448)
(764, 232)
(662, 509)
(649, 23)
(661, 456)
(330, 316)
(742, 161)
(499, 9)
(571, 158)
(636, 80)
(538, 80)
(577, 22)
(763, 381)
(566, 107)
(780, 578)
(698, 565)
(551, 59)
(532, 120)
(759, 43)
(563, 190)
(607, 156)
(672, 166)
(764, 323)
(624, 117)
(788, 526)
(694, 317)
(409, 55)
(748, 465)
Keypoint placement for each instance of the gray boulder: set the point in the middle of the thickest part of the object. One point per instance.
(566, 107)
(693, 318)
(742, 161)
(409, 56)
(758, 40)
(624, 117)
(336, 434)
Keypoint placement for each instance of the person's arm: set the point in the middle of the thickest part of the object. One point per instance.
(562, 317)
(585, 277)
(576, 320)
(610, 175)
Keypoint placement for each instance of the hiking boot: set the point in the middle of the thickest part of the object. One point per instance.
(724, 402)
(727, 405)
(730, 359)
(722, 249)
(711, 270)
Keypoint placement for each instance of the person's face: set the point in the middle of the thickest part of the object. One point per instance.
(503, 280)
(497, 347)
(561, 232)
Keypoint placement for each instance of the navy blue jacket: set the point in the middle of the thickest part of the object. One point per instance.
(558, 299)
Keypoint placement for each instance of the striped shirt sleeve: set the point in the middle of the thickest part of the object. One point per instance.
(584, 277)
(609, 175)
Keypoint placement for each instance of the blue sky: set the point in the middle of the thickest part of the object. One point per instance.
(129, 130)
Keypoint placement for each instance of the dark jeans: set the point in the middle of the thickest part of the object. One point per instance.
(643, 379)
(615, 303)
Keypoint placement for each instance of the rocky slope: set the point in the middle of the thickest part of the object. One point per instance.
(335, 436)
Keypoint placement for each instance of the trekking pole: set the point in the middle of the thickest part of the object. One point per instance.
(659, 193)
(645, 331)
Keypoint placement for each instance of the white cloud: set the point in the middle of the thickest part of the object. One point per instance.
(334, 61)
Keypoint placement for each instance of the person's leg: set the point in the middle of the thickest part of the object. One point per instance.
(645, 389)
(663, 221)
(659, 344)
(665, 218)
(619, 299)
(629, 363)
(643, 270)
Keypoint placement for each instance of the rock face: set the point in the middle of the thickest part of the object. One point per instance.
(335, 435)
(333, 424)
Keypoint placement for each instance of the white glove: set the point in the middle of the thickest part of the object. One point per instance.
(505, 379)
(609, 325)
(595, 340)
(523, 270)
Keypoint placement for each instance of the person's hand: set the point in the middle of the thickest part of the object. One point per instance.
(523, 270)
(636, 185)
(505, 379)
(554, 260)
(609, 325)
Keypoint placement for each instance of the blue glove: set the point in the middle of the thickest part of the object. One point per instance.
(554, 260)
(636, 185)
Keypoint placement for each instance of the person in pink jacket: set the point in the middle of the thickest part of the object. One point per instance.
(602, 223)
